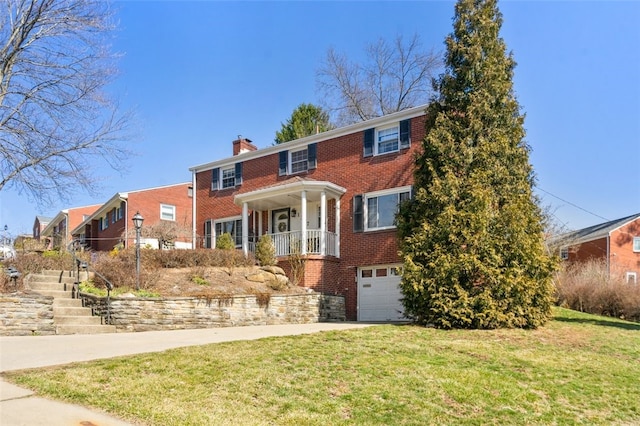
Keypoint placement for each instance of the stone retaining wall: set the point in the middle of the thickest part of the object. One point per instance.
(26, 314)
(145, 314)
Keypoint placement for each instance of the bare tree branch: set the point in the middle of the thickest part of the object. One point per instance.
(56, 123)
(394, 76)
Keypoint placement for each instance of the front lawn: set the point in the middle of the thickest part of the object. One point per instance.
(579, 369)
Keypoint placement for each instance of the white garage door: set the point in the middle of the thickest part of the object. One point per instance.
(379, 294)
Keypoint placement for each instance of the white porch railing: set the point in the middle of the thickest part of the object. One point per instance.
(287, 243)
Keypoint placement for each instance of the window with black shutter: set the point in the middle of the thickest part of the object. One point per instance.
(369, 136)
(215, 178)
(405, 134)
(358, 214)
(238, 176)
(283, 159)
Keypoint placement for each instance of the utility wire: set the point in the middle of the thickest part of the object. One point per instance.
(574, 205)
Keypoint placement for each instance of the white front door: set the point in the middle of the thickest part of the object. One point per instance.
(379, 293)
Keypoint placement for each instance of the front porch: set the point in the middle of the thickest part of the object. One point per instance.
(288, 243)
(302, 216)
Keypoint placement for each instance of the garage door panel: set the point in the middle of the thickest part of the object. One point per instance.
(379, 295)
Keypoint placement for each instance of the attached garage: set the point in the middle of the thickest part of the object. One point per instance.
(379, 293)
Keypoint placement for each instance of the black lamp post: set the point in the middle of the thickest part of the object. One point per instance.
(137, 223)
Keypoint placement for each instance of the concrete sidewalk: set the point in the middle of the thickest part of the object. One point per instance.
(19, 406)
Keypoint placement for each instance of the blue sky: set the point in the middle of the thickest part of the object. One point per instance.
(198, 74)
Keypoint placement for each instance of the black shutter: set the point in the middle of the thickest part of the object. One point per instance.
(207, 234)
(283, 160)
(369, 135)
(312, 153)
(405, 134)
(358, 213)
(215, 178)
(238, 174)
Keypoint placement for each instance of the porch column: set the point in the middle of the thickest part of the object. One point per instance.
(323, 220)
(245, 228)
(303, 217)
(337, 248)
(259, 223)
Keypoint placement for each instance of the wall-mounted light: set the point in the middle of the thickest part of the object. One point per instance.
(294, 212)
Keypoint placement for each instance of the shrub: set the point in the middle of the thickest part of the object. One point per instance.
(588, 287)
(225, 242)
(266, 251)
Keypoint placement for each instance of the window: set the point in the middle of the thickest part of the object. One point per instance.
(387, 139)
(105, 221)
(632, 278)
(299, 161)
(302, 160)
(636, 244)
(113, 215)
(377, 210)
(167, 212)
(564, 253)
(229, 177)
(231, 226)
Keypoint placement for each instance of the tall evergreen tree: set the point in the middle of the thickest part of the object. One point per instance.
(471, 238)
(305, 120)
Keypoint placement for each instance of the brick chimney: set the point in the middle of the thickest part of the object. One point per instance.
(241, 145)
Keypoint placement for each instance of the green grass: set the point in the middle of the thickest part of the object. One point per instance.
(579, 369)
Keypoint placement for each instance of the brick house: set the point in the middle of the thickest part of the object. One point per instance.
(39, 224)
(58, 230)
(329, 197)
(617, 242)
(111, 223)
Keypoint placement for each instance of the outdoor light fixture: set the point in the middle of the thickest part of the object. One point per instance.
(137, 223)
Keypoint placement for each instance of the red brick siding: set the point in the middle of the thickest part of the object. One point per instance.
(623, 258)
(147, 202)
(340, 161)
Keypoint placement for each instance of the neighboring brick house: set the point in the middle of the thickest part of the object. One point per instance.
(39, 224)
(58, 230)
(332, 197)
(111, 224)
(617, 242)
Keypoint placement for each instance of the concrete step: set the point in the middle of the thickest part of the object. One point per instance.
(51, 279)
(76, 320)
(85, 329)
(56, 272)
(41, 285)
(55, 293)
(67, 303)
(75, 311)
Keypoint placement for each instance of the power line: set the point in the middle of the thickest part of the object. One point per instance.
(572, 204)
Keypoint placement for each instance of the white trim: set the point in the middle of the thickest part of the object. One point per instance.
(320, 137)
(222, 220)
(168, 207)
(376, 141)
(376, 194)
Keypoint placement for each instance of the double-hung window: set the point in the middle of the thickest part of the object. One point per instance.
(377, 210)
(636, 244)
(231, 226)
(386, 139)
(167, 212)
(226, 177)
(299, 161)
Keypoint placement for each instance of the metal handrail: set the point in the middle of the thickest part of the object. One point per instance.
(81, 264)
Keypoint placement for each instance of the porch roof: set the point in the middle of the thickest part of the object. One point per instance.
(287, 192)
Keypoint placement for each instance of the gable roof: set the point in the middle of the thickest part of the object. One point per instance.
(595, 232)
(301, 143)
